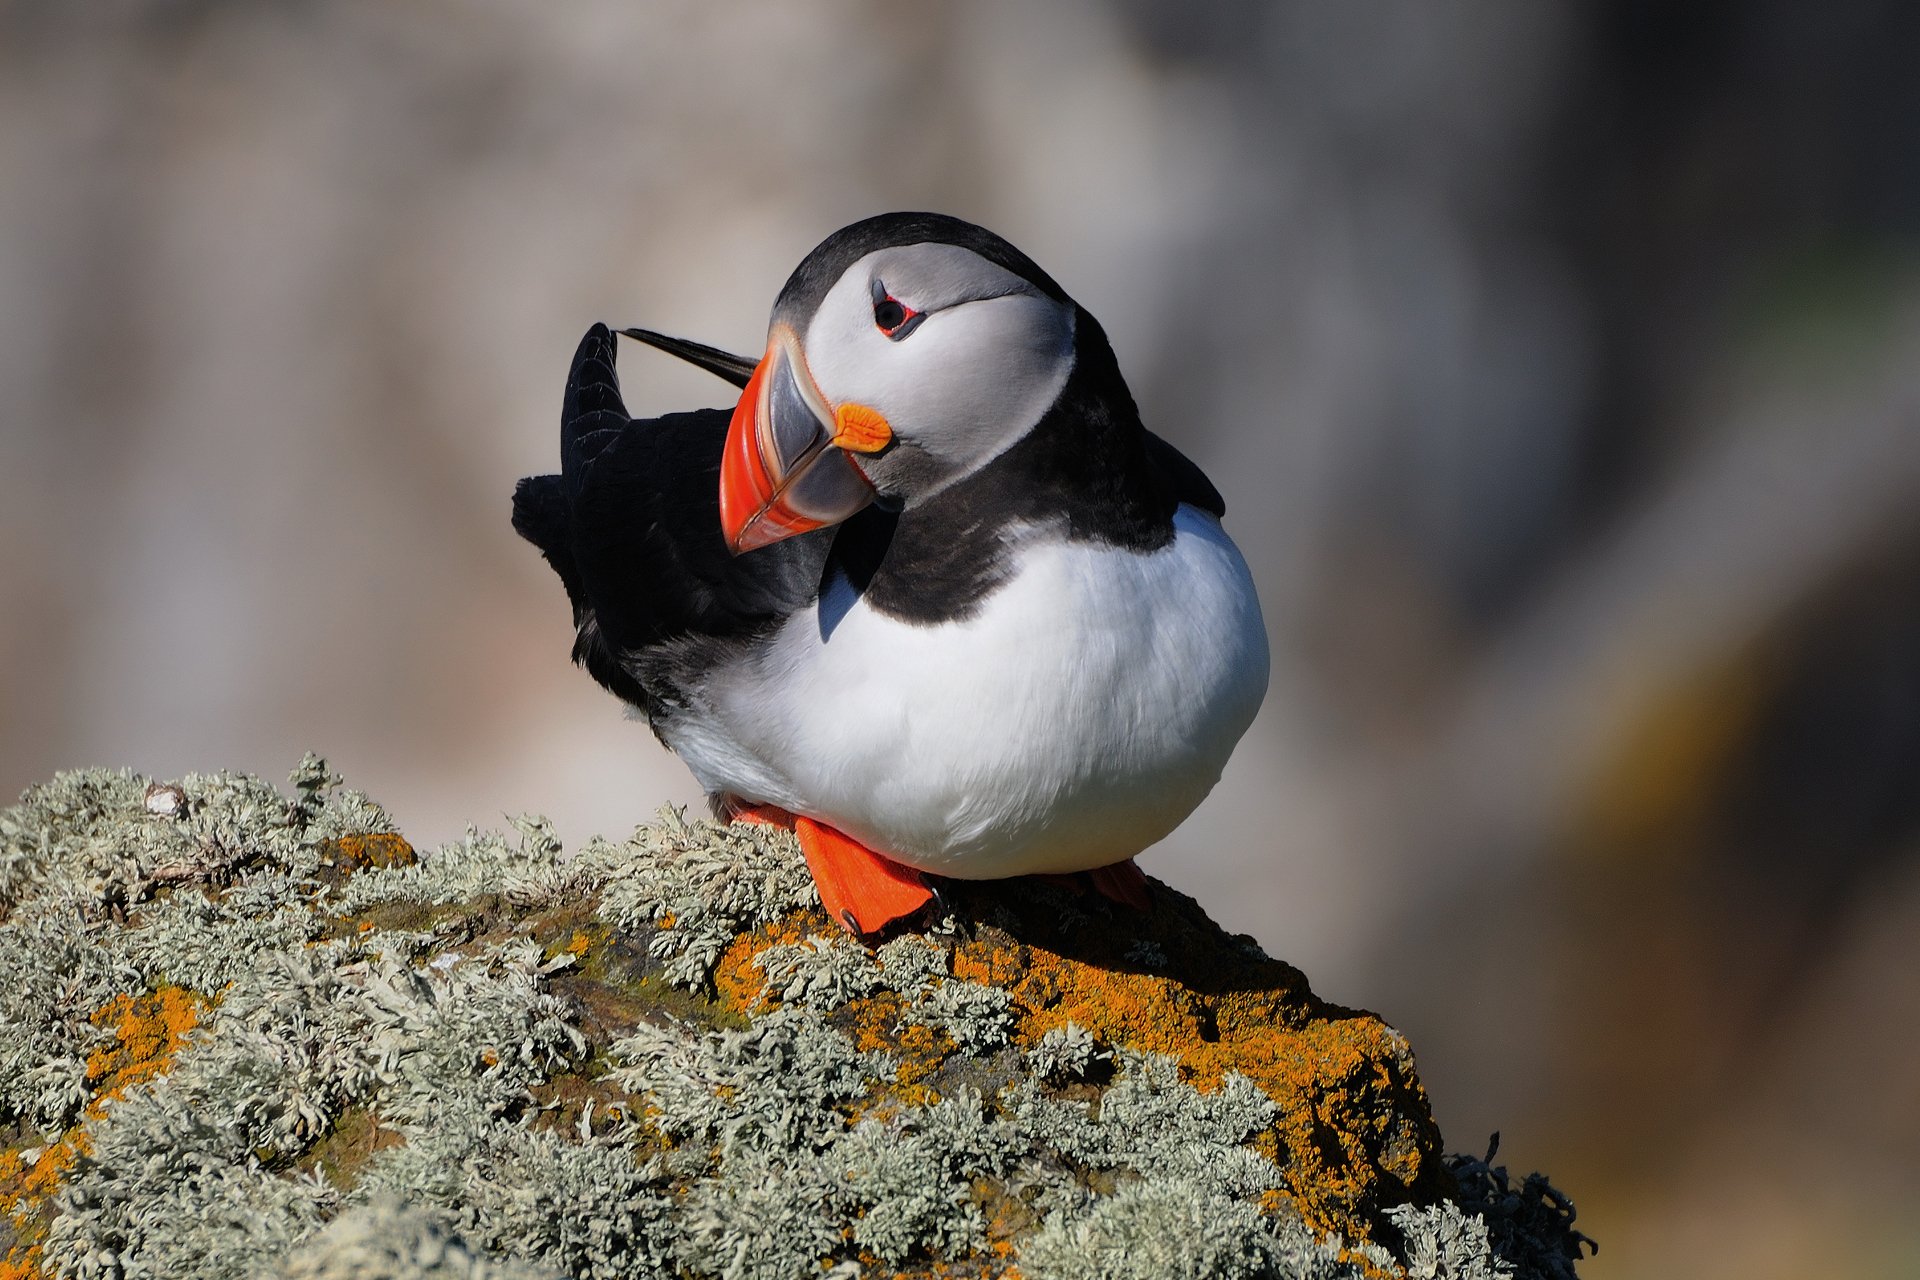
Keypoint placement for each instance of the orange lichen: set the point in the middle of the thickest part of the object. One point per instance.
(26, 1195)
(1353, 1134)
(737, 979)
(870, 1022)
(361, 852)
(918, 1052)
(148, 1030)
(1352, 1128)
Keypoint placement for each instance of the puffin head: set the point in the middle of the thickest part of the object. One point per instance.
(905, 352)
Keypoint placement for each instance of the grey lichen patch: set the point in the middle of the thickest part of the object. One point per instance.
(771, 1088)
(762, 1122)
(826, 973)
(308, 1035)
(1066, 1053)
(90, 832)
(245, 1033)
(104, 895)
(583, 1203)
(1445, 1242)
(525, 872)
(1173, 1229)
(393, 1240)
(1151, 1122)
(978, 1018)
(819, 972)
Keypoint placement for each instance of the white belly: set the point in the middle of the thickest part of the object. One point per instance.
(1078, 717)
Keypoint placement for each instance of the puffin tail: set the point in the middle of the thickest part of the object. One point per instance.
(591, 417)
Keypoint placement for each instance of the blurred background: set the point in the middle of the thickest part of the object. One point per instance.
(1560, 365)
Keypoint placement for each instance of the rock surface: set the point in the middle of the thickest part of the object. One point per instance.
(247, 1034)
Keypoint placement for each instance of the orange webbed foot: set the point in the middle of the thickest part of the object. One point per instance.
(863, 891)
(1124, 882)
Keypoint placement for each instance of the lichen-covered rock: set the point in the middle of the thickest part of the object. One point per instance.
(250, 1034)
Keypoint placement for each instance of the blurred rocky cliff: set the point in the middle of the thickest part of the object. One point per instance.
(1560, 366)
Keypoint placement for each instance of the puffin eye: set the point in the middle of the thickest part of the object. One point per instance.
(891, 316)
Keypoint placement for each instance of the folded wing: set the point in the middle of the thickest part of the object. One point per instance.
(631, 525)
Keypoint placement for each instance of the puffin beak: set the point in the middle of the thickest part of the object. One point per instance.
(789, 465)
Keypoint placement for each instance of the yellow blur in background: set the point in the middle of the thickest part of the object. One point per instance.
(1560, 366)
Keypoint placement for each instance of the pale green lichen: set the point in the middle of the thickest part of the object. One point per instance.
(589, 1206)
(911, 963)
(1066, 1053)
(770, 1088)
(978, 1018)
(1445, 1242)
(1147, 954)
(399, 1071)
(525, 872)
(1150, 1120)
(393, 1240)
(828, 972)
(1173, 1229)
(820, 972)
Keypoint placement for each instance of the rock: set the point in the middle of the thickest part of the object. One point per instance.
(245, 1034)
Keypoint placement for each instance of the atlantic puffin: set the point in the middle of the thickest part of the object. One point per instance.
(930, 593)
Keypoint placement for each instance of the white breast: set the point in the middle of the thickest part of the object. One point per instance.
(1077, 718)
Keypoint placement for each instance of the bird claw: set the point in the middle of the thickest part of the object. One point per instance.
(945, 913)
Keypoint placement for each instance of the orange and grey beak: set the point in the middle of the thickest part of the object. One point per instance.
(789, 463)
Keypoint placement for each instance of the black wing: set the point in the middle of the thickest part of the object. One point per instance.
(632, 526)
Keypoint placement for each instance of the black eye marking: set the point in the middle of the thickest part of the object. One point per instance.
(891, 316)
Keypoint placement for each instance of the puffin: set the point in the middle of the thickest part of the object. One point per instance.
(929, 594)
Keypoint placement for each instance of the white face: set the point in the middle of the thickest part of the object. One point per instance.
(982, 357)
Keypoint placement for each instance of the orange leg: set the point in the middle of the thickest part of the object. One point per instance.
(863, 891)
(766, 814)
(1124, 882)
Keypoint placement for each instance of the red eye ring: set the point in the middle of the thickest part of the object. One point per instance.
(892, 315)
